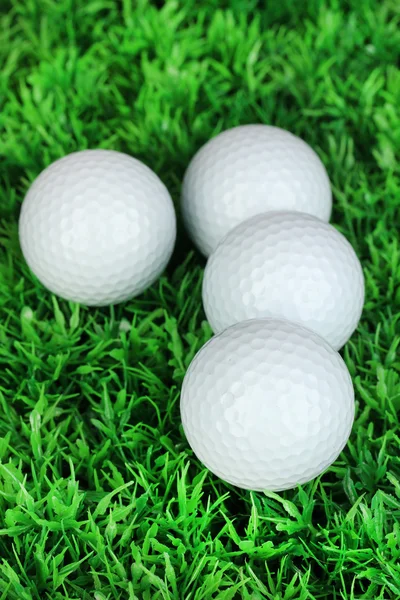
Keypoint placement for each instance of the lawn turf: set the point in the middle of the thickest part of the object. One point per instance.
(100, 495)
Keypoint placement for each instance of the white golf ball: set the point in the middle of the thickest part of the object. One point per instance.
(249, 170)
(289, 265)
(97, 227)
(267, 405)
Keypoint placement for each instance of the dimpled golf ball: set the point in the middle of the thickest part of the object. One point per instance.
(289, 265)
(249, 170)
(267, 404)
(97, 227)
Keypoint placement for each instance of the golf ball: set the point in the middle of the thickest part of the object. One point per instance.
(267, 404)
(97, 227)
(249, 170)
(289, 265)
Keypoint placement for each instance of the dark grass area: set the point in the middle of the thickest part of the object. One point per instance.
(100, 496)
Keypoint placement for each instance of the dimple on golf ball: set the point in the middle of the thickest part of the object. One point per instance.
(290, 265)
(97, 227)
(267, 405)
(249, 170)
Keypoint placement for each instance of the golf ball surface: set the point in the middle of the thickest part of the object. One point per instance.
(267, 405)
(249, 170)
(97, 227)
(289, 265)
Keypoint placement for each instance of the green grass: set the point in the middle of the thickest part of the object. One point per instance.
(100, 495)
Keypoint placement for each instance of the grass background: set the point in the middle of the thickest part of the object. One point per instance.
(100, 496)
